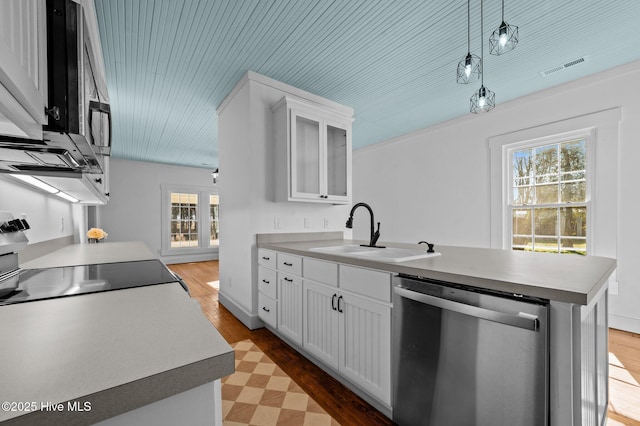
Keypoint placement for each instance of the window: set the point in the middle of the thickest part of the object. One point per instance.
(548, 197)
(189, 219)
(214, 205)
(184, 220)
(570, 223)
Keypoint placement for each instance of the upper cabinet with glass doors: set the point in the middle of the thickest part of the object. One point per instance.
(313, 153)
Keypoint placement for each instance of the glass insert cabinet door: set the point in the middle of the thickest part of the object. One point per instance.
(319, 158)
(337, 156)
(305, 155)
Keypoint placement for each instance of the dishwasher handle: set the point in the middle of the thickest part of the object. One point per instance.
(522, 320)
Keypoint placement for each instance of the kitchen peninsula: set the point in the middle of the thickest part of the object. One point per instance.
(144, 355)
(577, 304)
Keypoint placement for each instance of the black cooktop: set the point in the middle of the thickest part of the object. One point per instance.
(38, 284)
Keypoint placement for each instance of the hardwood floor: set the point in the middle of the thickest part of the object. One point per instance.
(349, 409)
(624, 378)
(342, 404)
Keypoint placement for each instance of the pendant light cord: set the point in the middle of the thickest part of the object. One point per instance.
(469, 25)
(482, 43)
(502, 10)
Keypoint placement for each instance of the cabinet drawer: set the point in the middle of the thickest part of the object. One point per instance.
(367, 282)
(267, 310)
(267, 281)
(267, 258)
(322, 272)
(289, 263)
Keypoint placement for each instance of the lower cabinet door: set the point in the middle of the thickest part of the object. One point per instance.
(267, 310)
(365, 340)
(290, 307)
(321, 322)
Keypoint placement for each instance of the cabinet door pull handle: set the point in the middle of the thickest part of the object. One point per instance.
(333, 301)
(265, 281)
(265, 309)
(287, 264)
(288, 279)
(266, 258)
(340, 307)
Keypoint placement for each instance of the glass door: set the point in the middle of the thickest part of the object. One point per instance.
(305, 156)
(338, 156)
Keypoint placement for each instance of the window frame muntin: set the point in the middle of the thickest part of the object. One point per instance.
(589, 136)
(203, 221)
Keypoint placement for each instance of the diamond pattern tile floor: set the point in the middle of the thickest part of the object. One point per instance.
(259, 393)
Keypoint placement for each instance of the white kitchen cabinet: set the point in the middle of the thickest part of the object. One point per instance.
(23, 66)
(267, 283)
(351, 333)
(365, 340)
(339, 314)
(290, 306)
(280, 293)
(313, 153)
(321, 322)
(290, 296)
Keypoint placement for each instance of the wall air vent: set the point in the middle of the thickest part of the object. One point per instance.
(564, 66)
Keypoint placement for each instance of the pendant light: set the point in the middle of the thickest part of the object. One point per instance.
(504, 38)
(469, 66)
(483, 100)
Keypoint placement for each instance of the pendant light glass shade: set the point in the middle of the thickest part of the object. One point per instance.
(483, 100)
(504, 38)
(469, 67)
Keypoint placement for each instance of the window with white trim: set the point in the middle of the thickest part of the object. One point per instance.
(184, 220)
(549, 196)
(214, 208)
(189, 219)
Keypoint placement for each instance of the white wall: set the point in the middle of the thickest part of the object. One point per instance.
(435, 184)
(246, 187)
(133, 212)
(49, 216)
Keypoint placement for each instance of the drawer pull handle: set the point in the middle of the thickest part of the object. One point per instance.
(265, 281)
(288, 279)
(266, 258)
(287, 264)
(339, 304)
(265, 309)
(333, 301)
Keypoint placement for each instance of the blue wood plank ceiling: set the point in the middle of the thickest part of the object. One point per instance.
(170, 63)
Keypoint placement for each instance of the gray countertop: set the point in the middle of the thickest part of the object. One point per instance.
(117, 350)
(86, 254)
(562, 278)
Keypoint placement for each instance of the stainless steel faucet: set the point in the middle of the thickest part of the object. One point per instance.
(374, 234)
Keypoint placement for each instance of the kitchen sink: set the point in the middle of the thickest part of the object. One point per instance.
(343, 250)
(388, 254)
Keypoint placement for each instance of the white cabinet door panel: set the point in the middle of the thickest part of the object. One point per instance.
(321, 337)
(23, 64)
(290, 307)
(365, 333)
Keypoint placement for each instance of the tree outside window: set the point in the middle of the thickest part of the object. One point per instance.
(184, 220)
(549, 198)
(214, 205)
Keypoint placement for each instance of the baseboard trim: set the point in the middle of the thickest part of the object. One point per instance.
(250, 321)
(620, 322)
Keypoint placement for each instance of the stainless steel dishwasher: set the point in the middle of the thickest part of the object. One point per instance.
(462, 356)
